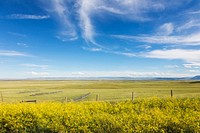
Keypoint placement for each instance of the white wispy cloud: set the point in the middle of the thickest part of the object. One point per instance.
(86, 9)
(12, 53)
(22, 44)
(93, 49)
(61, 36)
(124, 53)
(38, 73)
(189, 56)
(78, 74)
(192, 65)
(190, 24)
(146, 47)
(111, 9)
(128, 54)
(127, 74)
(194, 12)
(35, 66)
(136, 9)
(27, 16)
(59, 9)
(168, 33)
(166, 29)
(171, 66)
(191, 39)
(17, 34)
(194, 71)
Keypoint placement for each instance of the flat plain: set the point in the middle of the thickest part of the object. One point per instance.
(106, 90)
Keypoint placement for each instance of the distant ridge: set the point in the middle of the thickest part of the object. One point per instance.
(196, 77)
(185, 78)
(110, 78)
(117, 78)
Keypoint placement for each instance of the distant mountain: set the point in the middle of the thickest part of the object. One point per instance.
(196, 77)
(172, 78)
(111, 78)
(183, 78)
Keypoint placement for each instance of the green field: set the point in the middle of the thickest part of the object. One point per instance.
(16, 91)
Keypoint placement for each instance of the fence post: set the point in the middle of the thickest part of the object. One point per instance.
(97, 97)
(29, 101)
(132, 96)
(66, 99)
(171, 93)
(1, 97)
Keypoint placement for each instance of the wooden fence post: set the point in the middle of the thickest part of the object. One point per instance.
(29, 101)
(132, 96)
(66, 99)
(1, 97)
(171, 93)
(97, 97)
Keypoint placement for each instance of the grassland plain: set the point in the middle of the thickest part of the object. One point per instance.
(151, 111)
(159, 115)
(16, 91)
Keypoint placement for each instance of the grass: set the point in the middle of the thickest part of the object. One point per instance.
(16, 91)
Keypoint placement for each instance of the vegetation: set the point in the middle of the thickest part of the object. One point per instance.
(144, 115)
(114, 112)
(16, 91)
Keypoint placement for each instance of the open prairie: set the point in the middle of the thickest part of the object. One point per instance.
(16, 91)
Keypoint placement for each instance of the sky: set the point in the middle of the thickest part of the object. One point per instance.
(99, 38)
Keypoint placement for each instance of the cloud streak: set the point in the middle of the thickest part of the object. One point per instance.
(166, 29)
(133, 74)
(43, 74)
(192, 65)
(194, 23)
(11, 53)
(95, 49)
(17, 34)
(194, 12)
(59, 9)
(35, 66)
(169, 33)
(86, 9)
(189, 56)
(27, 16)
(191, 40)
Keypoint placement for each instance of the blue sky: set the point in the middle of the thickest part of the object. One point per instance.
(99, 38)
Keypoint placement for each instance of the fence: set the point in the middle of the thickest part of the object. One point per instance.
(84, 97)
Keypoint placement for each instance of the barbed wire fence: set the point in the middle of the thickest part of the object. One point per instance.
(87, 96)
